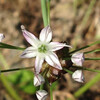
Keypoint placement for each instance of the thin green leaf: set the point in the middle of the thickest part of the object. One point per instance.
(16, 69)
(68, 71)
(92, 58)
(51, 93)
(97, 42)
(92, 51)
(48, 9)
(44, 12)
(7, 46)
(52, 87)
(88, 69)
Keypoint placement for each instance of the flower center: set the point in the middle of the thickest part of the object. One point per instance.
(42, 48)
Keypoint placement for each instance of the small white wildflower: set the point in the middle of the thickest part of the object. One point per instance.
(78, 76)
(38, 80)
(42, 48)
(78, 58)
(41, 94)
(1, 37)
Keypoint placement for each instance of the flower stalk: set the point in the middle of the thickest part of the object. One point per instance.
(15, 69)
(51, 93)
(7, 46)
(67, 70)
(84, 68)
(92, 51)
(97, 42)
(44, 12)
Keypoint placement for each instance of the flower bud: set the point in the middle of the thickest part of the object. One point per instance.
(38, 80)
(78, 76)
(78, 58)
(1, 37)
(41, 94)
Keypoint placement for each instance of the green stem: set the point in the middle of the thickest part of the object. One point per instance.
(85, 58)
(51, 93)
(41, 86)
(92, 51)
(44, 12)
(52, 87)
(67, 58)
(76, 67)
(87, 86)
(9, 88)
(92, 58)
(97, 42)
(88, 69)
(15, 69)
(48, 6)
(68, 71)
(7, 46)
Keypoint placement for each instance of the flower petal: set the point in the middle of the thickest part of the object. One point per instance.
(30, 37)
(46, 34)
(38, 64)
(78, 58)
(78, 76)
(56, 46)
(52, 60)
(29, 53)
(41, 94)
(38, 80)
(1, 37)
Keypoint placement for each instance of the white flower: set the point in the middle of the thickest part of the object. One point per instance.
(1, 37)
(42, 48)
(78, 58)
(41, 94)
(38, 80)
(78, 76)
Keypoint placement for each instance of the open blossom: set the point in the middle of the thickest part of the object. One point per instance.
(1, 37)
(41, 94)
(42, 48)
(38, 80)
(78, 76)
(78, 58)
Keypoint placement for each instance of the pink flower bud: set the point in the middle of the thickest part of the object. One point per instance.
(78, 58)
(78, 76)
(38, 80)
(41, 94)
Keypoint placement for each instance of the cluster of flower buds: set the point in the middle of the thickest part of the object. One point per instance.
(78, 59)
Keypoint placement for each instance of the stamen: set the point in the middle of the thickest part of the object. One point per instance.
(42, 48)
(22, 27)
